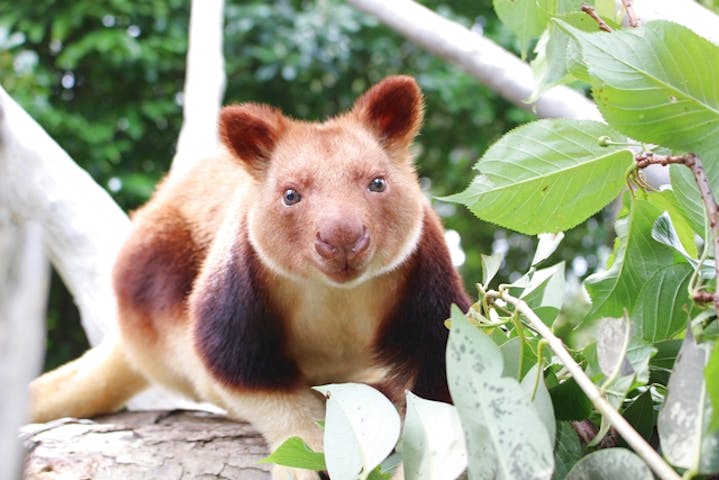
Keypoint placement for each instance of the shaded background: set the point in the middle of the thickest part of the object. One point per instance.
(105, 79)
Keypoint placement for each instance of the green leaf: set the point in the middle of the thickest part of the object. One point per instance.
(294, 452)
(504, 435)
(361, 429)
(684, 417)
(640, 414)
(526, 18)
(711, 377)
(432, 440)
(567, 450)
(676, 230)
(636, 258)
(650, 86)
(490, 267)
(569, 401)
(558, 54)
(610, 464)
(662, 309)
(613, 336)
(546, 246)
(687, 195)
(547, 176)
(545, 293)
(533, 384)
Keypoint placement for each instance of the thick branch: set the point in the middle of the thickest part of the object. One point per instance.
(145, 445)
(204, 84)
(24, 274)
(485, 60)
(643, 449)
(82, 226)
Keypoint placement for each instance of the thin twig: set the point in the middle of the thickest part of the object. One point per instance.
(712, 209)
(692, 161)
(589, 10)
(645, 159)
(640, 446)
(631, 14)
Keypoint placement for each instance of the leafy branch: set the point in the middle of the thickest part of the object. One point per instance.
(694, 163)
(630, 435)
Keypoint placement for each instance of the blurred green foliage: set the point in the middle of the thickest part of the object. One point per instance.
(105, 79)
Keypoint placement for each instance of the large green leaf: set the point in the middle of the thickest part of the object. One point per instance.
(637, 257)
(684, 417)
(526, 18)
(641, 415)
(662, 309)
(569, 401)
(610, 464)
(547, 176)
(505, 436)
(657, 84)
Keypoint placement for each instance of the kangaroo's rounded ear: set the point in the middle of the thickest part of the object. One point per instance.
(393, 109)
(251, 131)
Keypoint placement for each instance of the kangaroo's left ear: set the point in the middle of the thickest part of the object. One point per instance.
(393, 110)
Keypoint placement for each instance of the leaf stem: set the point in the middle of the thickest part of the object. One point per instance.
(589, 10)
(640, 446)
(631, 14)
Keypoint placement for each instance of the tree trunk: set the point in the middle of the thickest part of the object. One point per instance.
(145, 445)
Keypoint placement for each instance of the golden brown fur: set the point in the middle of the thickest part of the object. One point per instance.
(304, 253)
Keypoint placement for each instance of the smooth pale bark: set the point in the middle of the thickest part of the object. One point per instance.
(82, 226)
(204, 84)
(24, 273)
(492, 65)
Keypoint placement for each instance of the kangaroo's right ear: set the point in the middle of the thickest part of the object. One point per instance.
(251, 131)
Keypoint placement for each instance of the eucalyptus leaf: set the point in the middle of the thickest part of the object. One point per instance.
(546, 246)
(613, 336)
(490, 267)
(649, 85)
(505, 436)
(534, 179)
(569, 401)
(432, 440)
(567, 450)
(533, 384)
(684, 417)
(610, 464)
(361, 428)
(545, 293)
(640, 414)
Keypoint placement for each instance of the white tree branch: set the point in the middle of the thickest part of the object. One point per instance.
(24, 275)
(204, 84)
(485, 60)
(82, 226)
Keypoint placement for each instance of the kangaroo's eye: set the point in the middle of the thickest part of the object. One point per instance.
(378, 184)
(291, 197)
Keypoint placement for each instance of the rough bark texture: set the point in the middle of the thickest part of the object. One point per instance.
(165, 445)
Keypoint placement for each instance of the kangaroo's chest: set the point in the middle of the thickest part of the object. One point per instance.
(332, 333)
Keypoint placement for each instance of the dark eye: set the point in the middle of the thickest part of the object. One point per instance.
(377, 185)
(291, 197)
